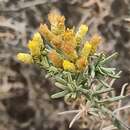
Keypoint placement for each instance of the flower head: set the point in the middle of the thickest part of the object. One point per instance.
(55, 58)
(53, 39)
(36, 44)
(85, 52)
(69, 51)
(95, 41)
(37, 37)
(81, 63)
(24, 57)
(57, 22)
(69, 66)
(69, 37)
(81, 33)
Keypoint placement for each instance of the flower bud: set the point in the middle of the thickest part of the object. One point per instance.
(24, 57)
(81, 33)
(67, 65)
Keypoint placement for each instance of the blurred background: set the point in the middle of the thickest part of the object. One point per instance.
(25, 102)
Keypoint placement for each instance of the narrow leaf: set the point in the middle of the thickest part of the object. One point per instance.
(70, 87)
(109, 100)
(59, 94)
(100, 71)
(60, 80)
(92, 71)
(109, 58)
(85, 91)
(59, 85)
(104, 83)
(108, 70)
(69, 77)
(104, 91)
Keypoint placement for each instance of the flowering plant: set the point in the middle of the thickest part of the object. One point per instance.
(81, 74)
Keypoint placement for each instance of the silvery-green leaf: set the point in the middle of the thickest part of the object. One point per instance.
(85, 91)
(59, 94)
(61, 86)
(103, 91)
(100, 71)
(108, 70)
(104, 83)
(60, 80)
(108, 59)
(69, 77)
(92, 71)
(67, 96)
(113, 76)
(109, 100)
(70, 87)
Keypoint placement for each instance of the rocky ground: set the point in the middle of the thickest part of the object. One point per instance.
(25, 102)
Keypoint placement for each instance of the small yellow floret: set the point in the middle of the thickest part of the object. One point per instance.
(81, 33)
(95, 41)
(69, 37)
(72, 56)
(24, 57)
(34, 48)
(57, 22)
(81, 63)
(51, 37)
(37, 37)
(69, 51)
(36, 44)
(55, 58)
(85, 52)
(67, 65)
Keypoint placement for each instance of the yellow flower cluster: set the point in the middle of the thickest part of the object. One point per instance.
(35, 47)
(68, 42)
(64, 45)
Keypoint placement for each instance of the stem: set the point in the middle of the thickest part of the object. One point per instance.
(76, 117)
(68, 112)
(120, 102)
